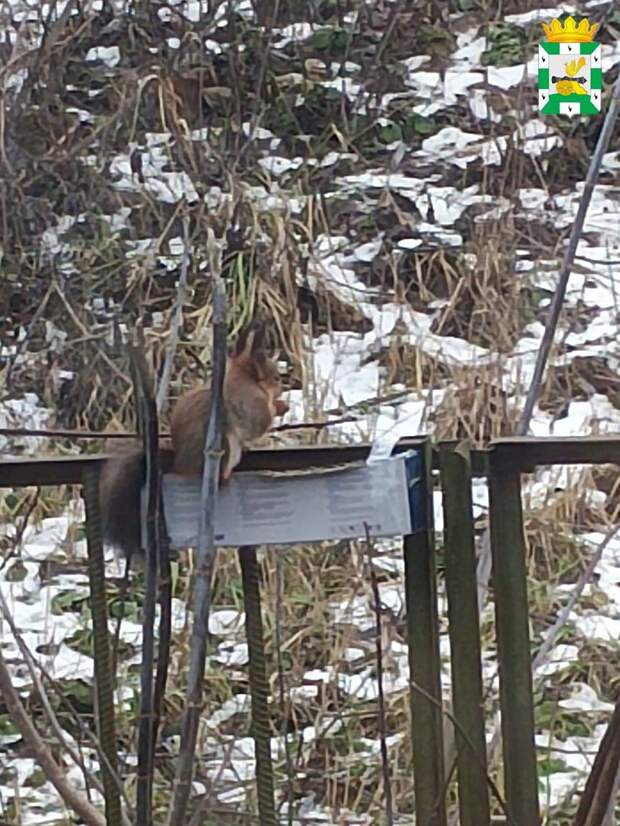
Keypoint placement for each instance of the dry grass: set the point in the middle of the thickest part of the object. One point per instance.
(60, 166)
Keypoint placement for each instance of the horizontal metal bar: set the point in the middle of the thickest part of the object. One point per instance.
(21, 471)
(512, 454)
(524, 454)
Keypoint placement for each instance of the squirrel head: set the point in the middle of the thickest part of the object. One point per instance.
(251, 355)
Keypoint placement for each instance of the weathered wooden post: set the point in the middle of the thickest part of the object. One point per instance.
(424, 660)
(513, 640)
(464, 630)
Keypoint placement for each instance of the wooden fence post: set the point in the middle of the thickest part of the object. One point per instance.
(513, 643)
(424, 663)
(464, 630)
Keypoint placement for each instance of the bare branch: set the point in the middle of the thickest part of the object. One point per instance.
(56, 774)
(177, 318)
(148, 726)
(206, 561)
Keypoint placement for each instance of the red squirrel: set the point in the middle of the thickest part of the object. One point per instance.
(252, 387)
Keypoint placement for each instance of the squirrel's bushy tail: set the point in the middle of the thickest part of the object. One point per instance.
(120, 483)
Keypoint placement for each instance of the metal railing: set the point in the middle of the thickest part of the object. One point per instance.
(502, 463)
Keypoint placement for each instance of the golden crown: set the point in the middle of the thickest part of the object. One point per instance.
(570, 32)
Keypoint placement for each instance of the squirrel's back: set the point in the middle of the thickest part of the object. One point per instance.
(188, 425)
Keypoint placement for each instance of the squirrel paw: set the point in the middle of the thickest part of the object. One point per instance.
(281, 407)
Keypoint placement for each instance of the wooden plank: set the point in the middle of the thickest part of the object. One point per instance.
(425, 666)
(513, 648)
(464, 630)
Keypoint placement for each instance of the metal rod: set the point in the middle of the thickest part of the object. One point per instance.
(104, 677)
(519, 453)
(464, 630)
(259, 686)
(425, 665)
(513, 647)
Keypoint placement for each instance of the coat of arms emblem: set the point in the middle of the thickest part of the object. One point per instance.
(570, 75)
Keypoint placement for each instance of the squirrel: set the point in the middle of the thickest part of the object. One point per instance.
(252, 387)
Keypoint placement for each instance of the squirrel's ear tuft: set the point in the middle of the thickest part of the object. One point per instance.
(250, 341)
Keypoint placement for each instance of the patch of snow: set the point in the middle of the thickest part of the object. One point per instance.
(110, 55)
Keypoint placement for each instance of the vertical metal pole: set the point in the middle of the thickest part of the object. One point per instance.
(259, 687)
(464, 629)
(425, 664)
(104, 677)
(165, 620)
(513, 646)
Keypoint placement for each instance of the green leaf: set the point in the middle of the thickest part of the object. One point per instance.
(390, 132)
(68, 601)
(16, 572)
(330, 39)
(551, 765)
(422, 125)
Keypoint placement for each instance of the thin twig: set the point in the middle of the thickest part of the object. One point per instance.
(148, 724)
(466, 739)
(206, 562)
(165, 620)
(177, 318)
(385, 760)
(290, 770)
(60, 433)
(89, 777)
(484, 559)
(262, 71)
(32, 665)
(125, 434)
(21, 344)
(586, 577)
(86, 332)
(610, 814)
(64, 434)
(600, 785)
(19, 533)
(569, 257)
(226, 760)
(553, 633)
(55, 773)
(123, 593)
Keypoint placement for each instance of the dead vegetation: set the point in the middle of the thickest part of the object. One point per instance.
(93, 157)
